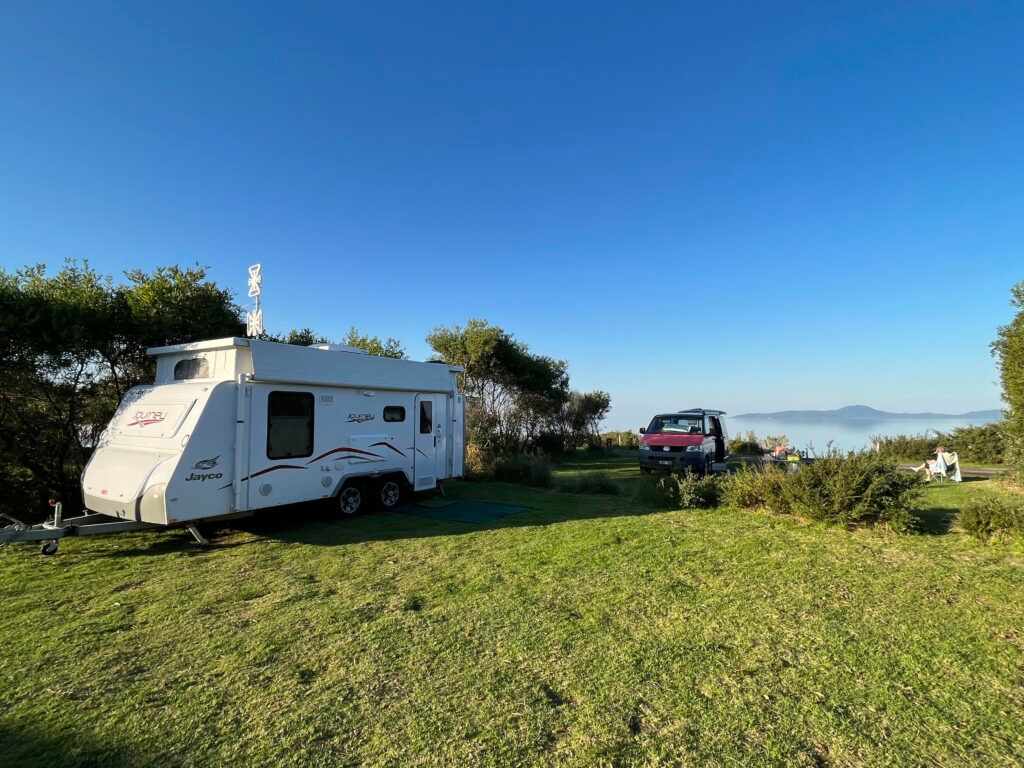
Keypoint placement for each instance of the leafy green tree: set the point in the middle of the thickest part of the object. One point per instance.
(1008, 349)
(303, 337)
(72, 344)
(513, 394)
(389, 347)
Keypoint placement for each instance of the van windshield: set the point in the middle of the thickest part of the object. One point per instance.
(677, 424)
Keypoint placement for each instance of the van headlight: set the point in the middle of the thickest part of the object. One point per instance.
(694, 448)
(644, 447)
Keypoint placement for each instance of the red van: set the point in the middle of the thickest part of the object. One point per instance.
(674, 442)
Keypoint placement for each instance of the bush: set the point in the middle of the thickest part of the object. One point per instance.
(857, 489)
(745, 448)
(985, 444)
(549, 443)
(620, 439)
(479, 462)
(597, 482)
(746, 444)
(688, 491)
(524, 469)
(993, 514)
(752, 487)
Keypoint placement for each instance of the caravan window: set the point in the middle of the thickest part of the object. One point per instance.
(191, 368)
(289, 425)
(426, 417)
(394, 413)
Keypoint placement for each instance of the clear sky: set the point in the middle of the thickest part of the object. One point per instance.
(709, 204)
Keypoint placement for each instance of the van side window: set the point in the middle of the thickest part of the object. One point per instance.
(289, 425)
(426, 417)
(191, 368)
(394, 413)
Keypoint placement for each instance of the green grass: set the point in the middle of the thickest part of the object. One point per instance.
(585, 631)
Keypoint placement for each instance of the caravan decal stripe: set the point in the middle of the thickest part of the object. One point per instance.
(263, 472)
(389, 445)
(271, 469)
(340, 450)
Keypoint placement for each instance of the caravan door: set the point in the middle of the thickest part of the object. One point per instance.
(431, 441)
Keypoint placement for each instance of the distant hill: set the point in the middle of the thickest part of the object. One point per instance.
(867, 413)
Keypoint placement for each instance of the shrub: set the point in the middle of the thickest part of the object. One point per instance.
(597, 482)
(752, 487)
(915, 447)
(985, 444)
(620, 439)
(860, 488)
(993, 514)
(746, 444)
(688, 491)
(745, 448)
(549, 443)
(524, 469)
(479, 462)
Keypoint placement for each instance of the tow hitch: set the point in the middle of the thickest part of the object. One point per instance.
(52, 531)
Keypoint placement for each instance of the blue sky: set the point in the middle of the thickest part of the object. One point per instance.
(724, 206)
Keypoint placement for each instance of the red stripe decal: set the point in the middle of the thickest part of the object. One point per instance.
(389, 445)
(271, 469)
(340, 450)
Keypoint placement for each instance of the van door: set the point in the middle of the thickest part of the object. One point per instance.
(431, 445)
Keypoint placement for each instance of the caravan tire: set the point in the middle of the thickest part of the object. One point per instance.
(389, 494)
(351, 499)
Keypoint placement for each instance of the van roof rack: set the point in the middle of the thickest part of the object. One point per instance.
(703, 411)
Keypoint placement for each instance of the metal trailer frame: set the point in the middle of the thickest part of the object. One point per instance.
(92, 524)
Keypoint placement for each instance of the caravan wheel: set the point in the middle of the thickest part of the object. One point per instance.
(390, 494)
(350, 500)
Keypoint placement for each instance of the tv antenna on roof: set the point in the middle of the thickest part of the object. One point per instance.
(254, 317)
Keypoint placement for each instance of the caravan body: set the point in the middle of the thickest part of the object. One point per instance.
(235, 425)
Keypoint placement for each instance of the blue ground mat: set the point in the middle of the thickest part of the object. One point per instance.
(461, 510)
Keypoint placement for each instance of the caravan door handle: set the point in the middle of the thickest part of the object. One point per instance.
(435, 441)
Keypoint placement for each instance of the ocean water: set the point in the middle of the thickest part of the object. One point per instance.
(845, 435)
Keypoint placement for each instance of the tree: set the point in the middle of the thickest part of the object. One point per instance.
(1008, 349)
(513, 394)
(303, 337)
(373, 345)
(72, 345)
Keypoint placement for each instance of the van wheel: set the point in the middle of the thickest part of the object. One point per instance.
(389, 494)
(350, 500)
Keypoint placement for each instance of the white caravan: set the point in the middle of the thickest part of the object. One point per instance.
(235, 425)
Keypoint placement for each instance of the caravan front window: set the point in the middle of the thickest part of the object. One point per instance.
(191, 368)
(289, 425)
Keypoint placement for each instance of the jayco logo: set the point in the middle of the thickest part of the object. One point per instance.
(145, 418)
(203, 476)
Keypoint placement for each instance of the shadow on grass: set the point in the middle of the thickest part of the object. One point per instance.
(313, 525)
(934, 521)
(320, 524)
(20, 748)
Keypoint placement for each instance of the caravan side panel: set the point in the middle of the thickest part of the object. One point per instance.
(305, 441)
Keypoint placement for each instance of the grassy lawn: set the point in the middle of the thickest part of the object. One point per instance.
(582, 631)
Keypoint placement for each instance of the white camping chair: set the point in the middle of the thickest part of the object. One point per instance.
(945, 465)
